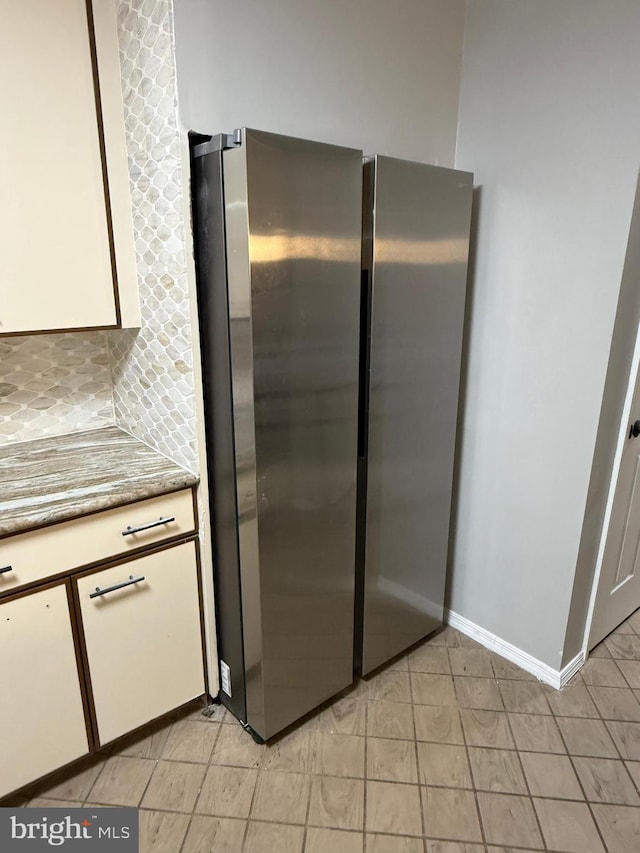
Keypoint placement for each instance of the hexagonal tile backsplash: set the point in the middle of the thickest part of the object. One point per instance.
(54, 384)
(152, 369)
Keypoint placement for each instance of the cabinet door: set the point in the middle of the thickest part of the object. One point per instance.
(55, 255)
(42, 721)
(143, 640)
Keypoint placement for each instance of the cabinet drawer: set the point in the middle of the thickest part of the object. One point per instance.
(41, 714)
(143, 639)
(38, 554)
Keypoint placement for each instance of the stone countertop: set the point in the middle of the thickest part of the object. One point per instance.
(54, 479)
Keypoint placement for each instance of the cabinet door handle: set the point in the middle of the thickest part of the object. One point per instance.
(116, 586)
(6, 569)
(151, 524)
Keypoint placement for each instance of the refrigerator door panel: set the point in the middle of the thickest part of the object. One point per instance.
(419, 229)
(293, 252)
(213, 308)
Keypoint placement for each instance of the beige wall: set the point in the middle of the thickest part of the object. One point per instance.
(369, 74)
(549, 126)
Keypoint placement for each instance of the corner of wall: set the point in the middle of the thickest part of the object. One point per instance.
(461, 80)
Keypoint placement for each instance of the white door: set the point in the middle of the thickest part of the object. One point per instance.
(619, 585)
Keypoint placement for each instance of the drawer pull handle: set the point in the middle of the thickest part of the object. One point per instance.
(151, 524)
(115, 586)
(6, 569)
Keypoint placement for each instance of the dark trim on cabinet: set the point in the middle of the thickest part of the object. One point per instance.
(194, 494)
(82, 663)
(103, 157)
(41, 587)
(31, 332)
(198, 545)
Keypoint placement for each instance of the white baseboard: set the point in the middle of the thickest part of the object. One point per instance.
(542, 671)
(568, 671)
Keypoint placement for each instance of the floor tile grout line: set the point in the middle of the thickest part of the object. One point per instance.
(249, 816)
(470, 789)
(47, 795)
(483, 834)
(215, 743)
(197, 799)
(617, 666)
(577, 775)
(146, 787)
(184, 840)
(604, 721)
(95, 780)
(423, 817)
(365, 793)
(629, 689)
(306, 816)
(635, 784)
(619, 753)
(411, 784)
(621, 671)
(615, 746)
(358, 832)
(404, 740)
(526, 782)
(602, 718)
(425, 838)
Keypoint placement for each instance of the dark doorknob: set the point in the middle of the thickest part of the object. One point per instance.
(635, 430)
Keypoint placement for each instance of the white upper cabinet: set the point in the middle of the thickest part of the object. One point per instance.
(66, 239)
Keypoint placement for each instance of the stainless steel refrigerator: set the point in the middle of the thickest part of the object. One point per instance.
(416, 222)
(331, 370)
(277, 226)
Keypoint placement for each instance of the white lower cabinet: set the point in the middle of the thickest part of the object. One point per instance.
(141, 622)
(88, 657)
(42, 721)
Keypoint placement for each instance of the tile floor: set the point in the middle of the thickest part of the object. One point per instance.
(449, 750)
